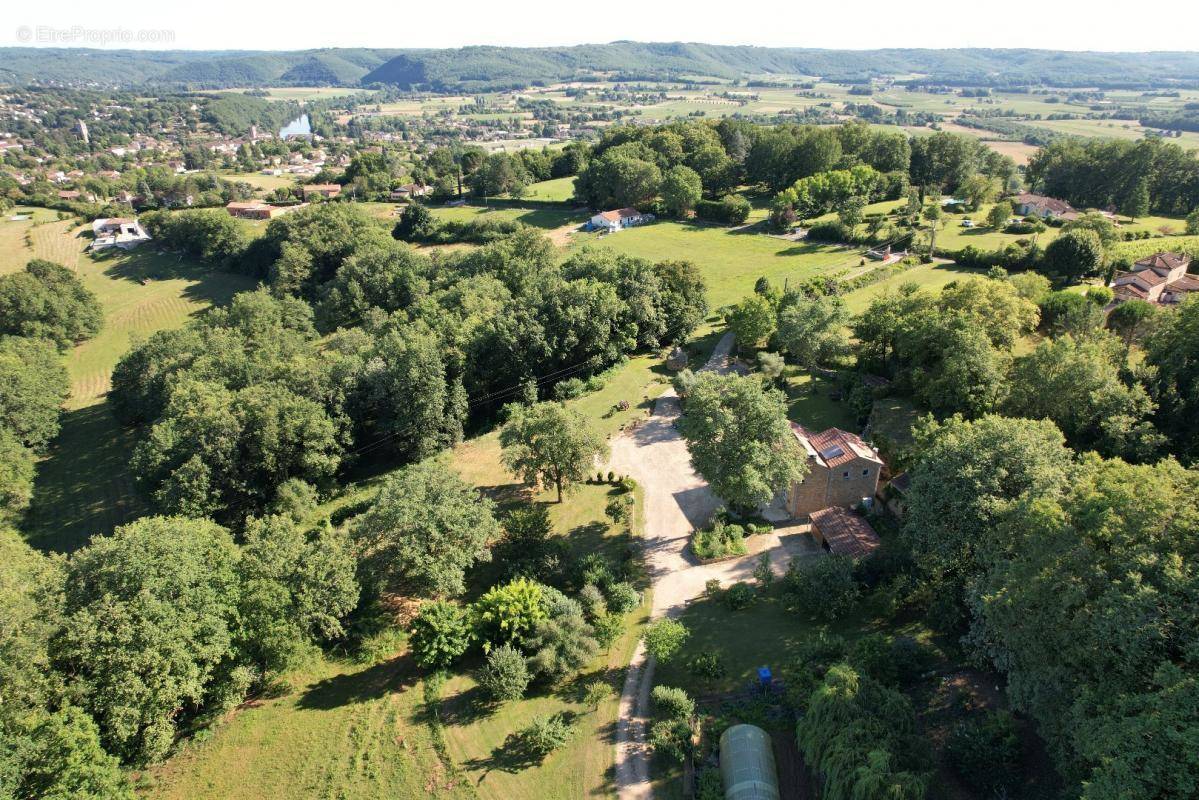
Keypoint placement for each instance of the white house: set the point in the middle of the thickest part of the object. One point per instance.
(118, 232)
(620, 218)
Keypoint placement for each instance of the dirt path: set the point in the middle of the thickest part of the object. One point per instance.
(676, 501)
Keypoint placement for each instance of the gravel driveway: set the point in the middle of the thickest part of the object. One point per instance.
(677, 500)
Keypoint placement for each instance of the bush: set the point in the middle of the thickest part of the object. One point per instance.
(719, 540)
(708, 665)
(672, 703)
(607, 629)
(872, 655)
(508, 613)
(592, 600)
(732, 209)
(985, 752)
(440, 634)
(596, 692)
(569, 389)
(824, 587)
(763, 572)
(593, 568)
(545, 734)
(622, 597)
(738, 596)
(664, 638)
(619, 509)
(670, 738)
(505, 676)
(709, 785)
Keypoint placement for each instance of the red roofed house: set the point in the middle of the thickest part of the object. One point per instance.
(1035, 205)
(620, 218)
(1160, 278)
(844, 533)
(842, 469)
(323, 189)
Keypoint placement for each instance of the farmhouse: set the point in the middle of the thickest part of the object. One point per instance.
(323, 189)
(1160, 278)
(409, 190)
(117, 232)
(843, 533)
(842, 470)
(619, 218)
(1036, 205)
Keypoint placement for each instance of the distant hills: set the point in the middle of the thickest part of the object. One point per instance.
(481, 68)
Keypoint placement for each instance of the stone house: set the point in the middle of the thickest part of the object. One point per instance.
(842, 470)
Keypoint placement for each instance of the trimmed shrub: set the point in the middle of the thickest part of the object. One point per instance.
(672, 703)
(738, 596)
(719, 540)
(622, 597)
(664, 638)
(505, 676)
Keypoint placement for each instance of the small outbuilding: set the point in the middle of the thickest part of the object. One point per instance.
(747, 764)
(843, 533)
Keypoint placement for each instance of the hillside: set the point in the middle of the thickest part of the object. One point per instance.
(477, 68)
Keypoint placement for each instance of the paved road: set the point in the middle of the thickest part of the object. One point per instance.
(677, 500)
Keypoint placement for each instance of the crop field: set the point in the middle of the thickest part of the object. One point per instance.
(83, 485)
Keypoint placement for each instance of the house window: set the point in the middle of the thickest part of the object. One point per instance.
(865, 473)
(845, 474)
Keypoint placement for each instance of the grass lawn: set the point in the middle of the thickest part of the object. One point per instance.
(557, 190)
(810, 402)
(548, 218)
(264, 183)
(731, 260)
(348, 731)
(83, 485)
(927, 276)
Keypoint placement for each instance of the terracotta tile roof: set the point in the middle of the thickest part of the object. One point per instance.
(1162, 261)
(834, 447)
(1148, 277)
(620, 213)
(1051, 204)
(1187, 283)
(1132, 289)
(845, 533)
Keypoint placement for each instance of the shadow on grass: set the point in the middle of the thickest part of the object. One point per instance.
(83, 486)
(468, 707)
(363, 686)
(575, 689)
(145, 266)
(517, 753)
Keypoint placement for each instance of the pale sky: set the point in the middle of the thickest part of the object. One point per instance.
(220, 24)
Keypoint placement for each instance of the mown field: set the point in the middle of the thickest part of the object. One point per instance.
(83, 485)
(730, 259)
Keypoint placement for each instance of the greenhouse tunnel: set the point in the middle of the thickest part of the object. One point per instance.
(747, 764)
